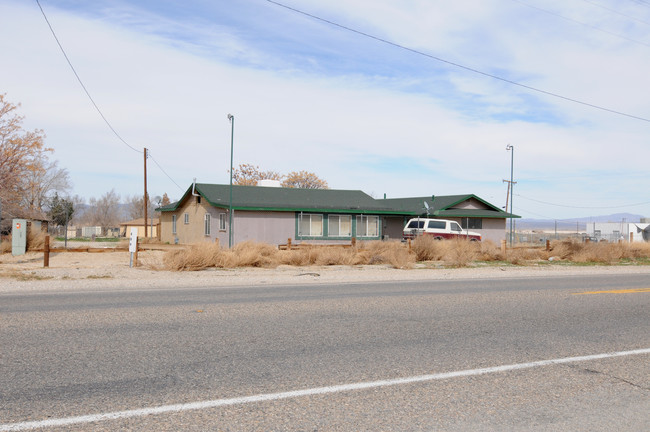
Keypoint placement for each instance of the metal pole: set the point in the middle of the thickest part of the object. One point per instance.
(512, 158)
(232, 134)
(145, 192)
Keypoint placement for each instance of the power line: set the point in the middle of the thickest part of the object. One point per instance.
(584, 207)
(641, 2)
(593, 27)
(614, 11)
(93, 101)
(164, 172)
(458, 65)
(81, 82)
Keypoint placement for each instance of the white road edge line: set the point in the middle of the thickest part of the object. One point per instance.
(306, 392)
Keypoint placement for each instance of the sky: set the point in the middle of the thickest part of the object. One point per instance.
(398, 98)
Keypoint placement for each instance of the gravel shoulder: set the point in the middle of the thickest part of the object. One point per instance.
(71, 271)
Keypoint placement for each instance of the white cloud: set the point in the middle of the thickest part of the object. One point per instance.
(355, 128)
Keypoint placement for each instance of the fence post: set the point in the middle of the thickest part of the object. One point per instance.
(503, 246)
(409, 243)
(135, 254)
(354, 242)
(548, 245)
(46, 252)
(289, 243)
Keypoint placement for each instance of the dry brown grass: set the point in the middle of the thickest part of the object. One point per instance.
(5, 245)
(196, 257)
(453, 253)
(252, 254)
(35, 240)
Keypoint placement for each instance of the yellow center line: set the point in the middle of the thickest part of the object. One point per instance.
(618, 291)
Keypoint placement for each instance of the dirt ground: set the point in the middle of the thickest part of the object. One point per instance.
(111, 270)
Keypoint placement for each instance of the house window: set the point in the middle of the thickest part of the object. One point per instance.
(187, 218)
(207, 224)
(367, 226)
(339, 225)
(173, 224)
(222, 221)
(471, 223)
(310, 225)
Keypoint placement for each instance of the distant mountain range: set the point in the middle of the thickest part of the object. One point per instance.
(574, 223)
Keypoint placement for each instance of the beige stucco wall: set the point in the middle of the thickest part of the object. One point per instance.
(493, 229)
(194, 231)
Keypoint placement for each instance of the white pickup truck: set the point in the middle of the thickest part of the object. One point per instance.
(439, 229)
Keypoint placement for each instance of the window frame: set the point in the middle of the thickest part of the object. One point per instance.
(468, 223)
(222, 221)
(207, 219)
(174, 224)
(186, 218)
(363, 221)
(338, 218)
(302, 216)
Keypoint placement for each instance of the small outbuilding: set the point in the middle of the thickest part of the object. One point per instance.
(153, 227)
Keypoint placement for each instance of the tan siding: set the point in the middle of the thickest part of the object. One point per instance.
(194, 231)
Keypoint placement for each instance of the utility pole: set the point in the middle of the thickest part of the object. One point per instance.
(145, 192)
(511, 149)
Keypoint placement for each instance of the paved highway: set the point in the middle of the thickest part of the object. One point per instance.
(366, 357)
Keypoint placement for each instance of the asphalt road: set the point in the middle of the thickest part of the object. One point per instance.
(91, 353)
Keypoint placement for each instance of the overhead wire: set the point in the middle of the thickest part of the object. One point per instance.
(458, 65)
(101, 114)
(161, 169)
(81, 82)
(583, 207)
(593, 27)
(614, 11)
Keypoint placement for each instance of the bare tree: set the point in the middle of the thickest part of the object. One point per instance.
(135, 207)
(42, 180)
(250, 175)
(20, 154)
(304, 180)
(104, 212)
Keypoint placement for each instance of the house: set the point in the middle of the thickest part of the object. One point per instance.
(273, 215)
(152, 223)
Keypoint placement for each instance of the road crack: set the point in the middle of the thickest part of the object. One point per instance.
(610, 376)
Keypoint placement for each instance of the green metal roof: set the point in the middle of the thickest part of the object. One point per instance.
(444, 206)
(258, 198)
(287, 199)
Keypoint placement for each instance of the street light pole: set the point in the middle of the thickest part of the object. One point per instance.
(231, 118)
(511, 149)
